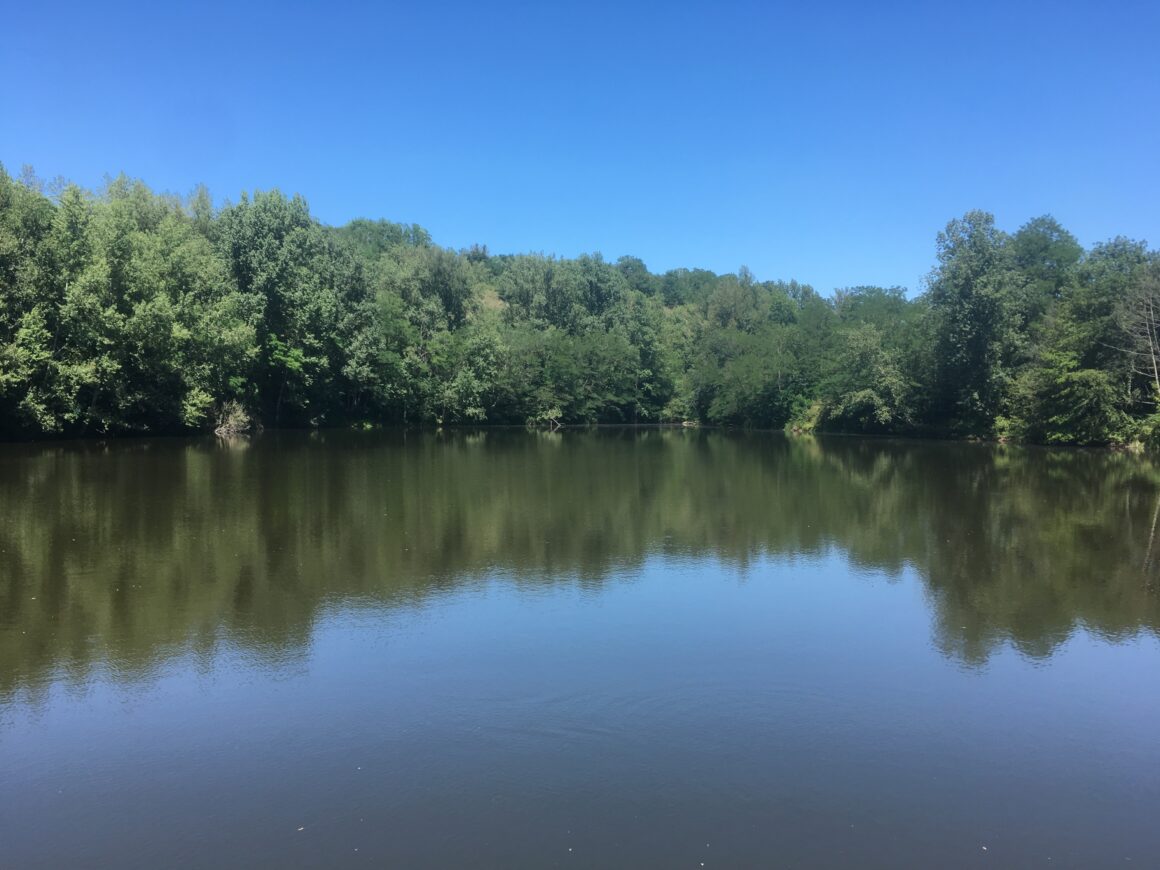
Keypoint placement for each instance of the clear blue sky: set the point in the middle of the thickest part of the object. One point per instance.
(824, 142)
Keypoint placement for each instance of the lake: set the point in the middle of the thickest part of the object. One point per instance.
(609, 648)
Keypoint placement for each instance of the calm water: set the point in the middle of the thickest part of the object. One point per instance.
(611, 649)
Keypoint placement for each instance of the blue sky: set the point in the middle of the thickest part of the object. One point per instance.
(823, 142)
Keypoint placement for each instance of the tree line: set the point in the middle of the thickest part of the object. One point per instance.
(125, 311)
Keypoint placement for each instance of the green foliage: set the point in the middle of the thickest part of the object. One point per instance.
(972, 295)
(371, 239)
(747, 379)
(866, 390)
(1047, 256)
(1059, 403)
(127, 311)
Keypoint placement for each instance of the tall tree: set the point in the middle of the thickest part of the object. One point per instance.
(972, 295)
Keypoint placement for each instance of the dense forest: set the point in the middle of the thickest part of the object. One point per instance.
(125, 311)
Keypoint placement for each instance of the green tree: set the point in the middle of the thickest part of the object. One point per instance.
(971, 294)
(866, 390)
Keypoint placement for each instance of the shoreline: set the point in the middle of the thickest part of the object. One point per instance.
(1133, 448)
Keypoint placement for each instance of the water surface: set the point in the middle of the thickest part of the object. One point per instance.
(583, 649)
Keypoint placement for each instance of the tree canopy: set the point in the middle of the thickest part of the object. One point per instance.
(126, 311)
